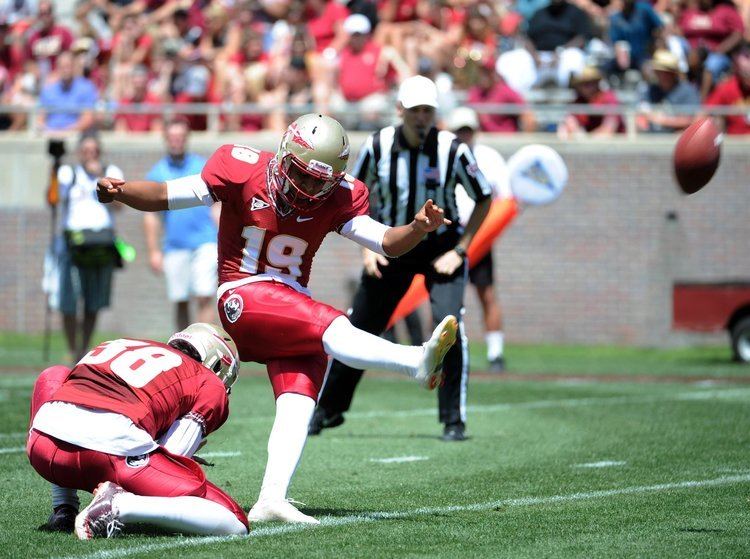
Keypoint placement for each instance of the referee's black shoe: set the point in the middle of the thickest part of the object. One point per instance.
(454, 432)
(497, 365)
(321, 420)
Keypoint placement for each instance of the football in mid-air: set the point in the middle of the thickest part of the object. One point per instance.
(697, 154)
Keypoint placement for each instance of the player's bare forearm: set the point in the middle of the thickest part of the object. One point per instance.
(401, 239)
(147, 196)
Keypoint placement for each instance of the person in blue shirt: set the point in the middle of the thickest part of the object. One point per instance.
(182, 245)
(632, 31)
(75, 92)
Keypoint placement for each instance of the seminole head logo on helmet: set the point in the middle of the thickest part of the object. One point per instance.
(310, 163)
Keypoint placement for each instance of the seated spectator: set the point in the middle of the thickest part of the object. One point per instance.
(366, 70)
(68, 91)
(669, 92)
(23, 92)
(558, 34)
(478, 42)
(589, 93)
(48, 40)
(140, 95)
(717, 26)
(15, 11)
(492, 89)
(735, 92)
(632, 30)
(324, 21)
(294, 90)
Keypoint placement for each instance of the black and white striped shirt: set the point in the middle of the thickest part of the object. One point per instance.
(402, 178)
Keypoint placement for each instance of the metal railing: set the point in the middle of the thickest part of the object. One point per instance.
(215, 113)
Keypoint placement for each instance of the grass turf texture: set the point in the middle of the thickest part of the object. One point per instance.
(529, 440)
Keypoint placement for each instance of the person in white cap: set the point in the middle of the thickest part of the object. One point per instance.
(364, 73)
(404, 166)
(464, 123)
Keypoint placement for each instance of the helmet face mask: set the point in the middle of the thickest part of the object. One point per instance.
(211, 346)
(310, 162)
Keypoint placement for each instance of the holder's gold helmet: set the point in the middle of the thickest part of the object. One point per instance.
(212, 346)
(310, 162)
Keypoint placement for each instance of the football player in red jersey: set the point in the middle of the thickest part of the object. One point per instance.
(276, 210)
(123, 424)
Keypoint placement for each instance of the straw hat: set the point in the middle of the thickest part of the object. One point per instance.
(587, 75)
(665, 61)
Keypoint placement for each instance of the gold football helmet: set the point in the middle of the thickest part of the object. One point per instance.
(212, 346)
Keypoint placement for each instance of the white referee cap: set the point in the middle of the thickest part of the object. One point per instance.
(416, 91)
(463, 117)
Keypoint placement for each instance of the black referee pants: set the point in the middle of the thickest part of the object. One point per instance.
(373, 306)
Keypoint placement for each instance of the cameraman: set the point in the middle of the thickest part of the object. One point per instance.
(87, 252)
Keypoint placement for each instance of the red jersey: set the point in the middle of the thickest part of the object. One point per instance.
(141, 122)
(253, 238)
(500, 93)
(358, 72)
(151, 383)
(731, 92)
(712, 27)
(591, 122)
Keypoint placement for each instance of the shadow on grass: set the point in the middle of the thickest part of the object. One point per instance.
(702, 530)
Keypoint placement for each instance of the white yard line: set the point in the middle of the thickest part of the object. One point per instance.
(12, 450)
(399, 459)
(333, 521)
(602, 464)
(18, 435)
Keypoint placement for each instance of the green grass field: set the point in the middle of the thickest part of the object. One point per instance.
(564, 467)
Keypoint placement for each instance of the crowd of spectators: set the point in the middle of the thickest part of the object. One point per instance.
(285, 57)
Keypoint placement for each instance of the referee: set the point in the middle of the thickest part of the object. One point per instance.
(404, 166)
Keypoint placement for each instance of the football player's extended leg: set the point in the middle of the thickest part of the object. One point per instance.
(65, 501)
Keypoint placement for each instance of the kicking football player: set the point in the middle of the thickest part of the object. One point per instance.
(276, 210)
(123, 424)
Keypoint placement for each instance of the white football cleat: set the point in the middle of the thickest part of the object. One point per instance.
(266, 510)
(430, 369)
(100, 519)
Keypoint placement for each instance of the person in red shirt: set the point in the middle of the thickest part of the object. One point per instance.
(717, 26)
(735, 91)
(124, 424)
(366, 69)
(140, 95)
(48, 40)
(492, 89)
(276, 211)
(588, 92)
(324, 21)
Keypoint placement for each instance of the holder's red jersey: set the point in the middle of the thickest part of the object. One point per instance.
(149, 382)
(253, 238)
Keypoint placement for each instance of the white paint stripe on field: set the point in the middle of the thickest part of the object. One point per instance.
(221, 454)
(17, 435)
(735, 394)
(333, 521)
(12, 450)
(602, 464)
(399, 459)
